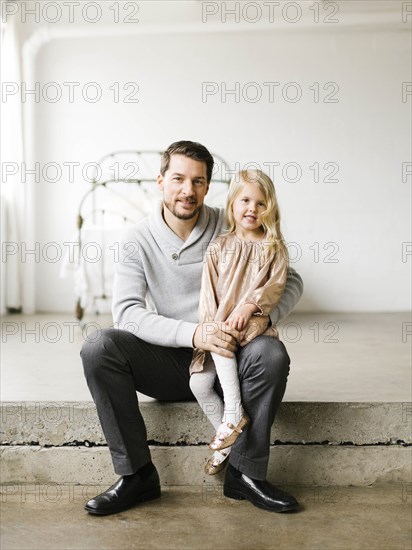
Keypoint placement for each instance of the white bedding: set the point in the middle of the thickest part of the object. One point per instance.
(93, 273)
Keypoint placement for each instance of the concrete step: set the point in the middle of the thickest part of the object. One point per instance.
(318, 465)
(183, 423)
(323, 444)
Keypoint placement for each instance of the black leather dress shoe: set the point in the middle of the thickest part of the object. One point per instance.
(260, 493)
(126, 493)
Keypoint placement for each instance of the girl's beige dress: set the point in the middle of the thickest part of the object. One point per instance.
(236, 272)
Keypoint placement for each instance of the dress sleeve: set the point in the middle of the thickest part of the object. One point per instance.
(208, 302)
(266, 295)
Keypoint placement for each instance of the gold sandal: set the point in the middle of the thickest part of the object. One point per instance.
(211, 468)
(219, 442)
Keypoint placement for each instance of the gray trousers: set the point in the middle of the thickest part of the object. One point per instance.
(117, 364)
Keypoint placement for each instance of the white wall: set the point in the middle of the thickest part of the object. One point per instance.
(367, 133)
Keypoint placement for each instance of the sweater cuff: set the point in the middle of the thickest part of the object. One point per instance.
(184, 334)
(275, 316)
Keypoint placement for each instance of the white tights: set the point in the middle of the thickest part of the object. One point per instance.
(201, 384)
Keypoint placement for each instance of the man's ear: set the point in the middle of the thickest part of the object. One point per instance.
(207, 188)
(160, 182)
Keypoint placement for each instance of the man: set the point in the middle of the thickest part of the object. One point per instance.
(155, 307)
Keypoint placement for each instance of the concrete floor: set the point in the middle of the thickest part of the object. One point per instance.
(334, 357)
(50, 517)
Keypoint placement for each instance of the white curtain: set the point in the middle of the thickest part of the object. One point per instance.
(12, 189)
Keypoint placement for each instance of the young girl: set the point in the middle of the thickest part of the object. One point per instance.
(243, 278)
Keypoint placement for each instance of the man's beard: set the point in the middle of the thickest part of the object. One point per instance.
(182, 216)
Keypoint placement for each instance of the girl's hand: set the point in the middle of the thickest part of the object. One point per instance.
(241, 315)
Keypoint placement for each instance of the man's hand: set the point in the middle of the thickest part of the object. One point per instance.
(241, 315)
(256, 328)
(217, 337)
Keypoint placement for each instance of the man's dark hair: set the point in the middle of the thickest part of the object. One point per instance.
(189, 149)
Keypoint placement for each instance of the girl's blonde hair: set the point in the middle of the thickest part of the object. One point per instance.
(270, 217)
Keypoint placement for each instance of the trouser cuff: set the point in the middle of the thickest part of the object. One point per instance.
(127, 467)
(256, 469)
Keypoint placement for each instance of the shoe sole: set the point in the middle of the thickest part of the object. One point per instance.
(237, 495)
(149, 495)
